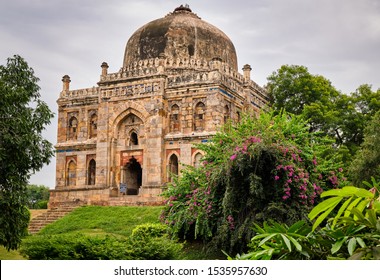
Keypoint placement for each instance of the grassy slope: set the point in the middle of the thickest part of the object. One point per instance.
(110, 220)
(11, 255)
(107, 220)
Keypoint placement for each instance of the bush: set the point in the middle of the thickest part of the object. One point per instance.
(352, 232)
(82, 247)
(149, 230)
(43, 204)
(266, 167)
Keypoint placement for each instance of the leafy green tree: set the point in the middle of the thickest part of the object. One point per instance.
(327, 110)
(37, 196)
(23, 116)
(293, 89)
(367, 161)
(265, 167)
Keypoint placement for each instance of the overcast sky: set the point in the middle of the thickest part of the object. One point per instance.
(338, 39)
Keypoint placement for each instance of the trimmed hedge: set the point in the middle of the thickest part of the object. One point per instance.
(148, 242)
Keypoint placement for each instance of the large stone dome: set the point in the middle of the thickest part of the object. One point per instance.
(180, 34)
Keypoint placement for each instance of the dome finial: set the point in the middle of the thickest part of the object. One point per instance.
(183, 8)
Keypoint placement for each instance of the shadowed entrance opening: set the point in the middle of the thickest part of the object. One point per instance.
(132, 176)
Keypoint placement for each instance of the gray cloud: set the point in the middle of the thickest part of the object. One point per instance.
(339, 39)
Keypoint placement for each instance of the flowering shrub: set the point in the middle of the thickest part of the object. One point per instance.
(266, 167)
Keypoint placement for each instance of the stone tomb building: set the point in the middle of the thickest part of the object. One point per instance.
(120, 142)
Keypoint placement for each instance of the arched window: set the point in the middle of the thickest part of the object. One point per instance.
(197, 160)
(91, 171)
(226, 113)
(73, 128)
(238, 116)
(174, 119)
(93, 125)
(71, 173)
(199, 115)
(173, 167)
(134, 139)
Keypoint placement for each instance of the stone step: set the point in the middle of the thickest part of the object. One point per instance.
(52, 215)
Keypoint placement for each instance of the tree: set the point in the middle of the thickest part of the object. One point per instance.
(23, 151)
(366, 163)
(297, 91)
(37, 196)
(329, 111)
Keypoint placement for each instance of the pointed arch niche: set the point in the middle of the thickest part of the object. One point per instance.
(173, 167)
(71, 171)
(130, 132)
(174, 118)
(199, 116)
(91, 170)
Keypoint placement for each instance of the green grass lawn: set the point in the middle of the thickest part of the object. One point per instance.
(115, 220)
(119, 220)
(11, 255)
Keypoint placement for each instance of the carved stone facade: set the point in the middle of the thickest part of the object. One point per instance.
(121, 141)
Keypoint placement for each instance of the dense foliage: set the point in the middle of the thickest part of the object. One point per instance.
(23, 150)
(327, 110)
(37, 196)
(266, 167)
(148, 242)
(352, 232)
(366, 163)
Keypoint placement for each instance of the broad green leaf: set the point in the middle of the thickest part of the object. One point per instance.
(372, 218)
(327, 212)
(337, 245)
(329, 203)
(287, 242)
(364, 193)
(362, 205)
(358, 214)
(348, 191)
(278, 227)
(267, 238)
(352, 205)
(341, 210)
(295, 243)
(351, 245)
(295, 227)
(361, 242)
(376, 205)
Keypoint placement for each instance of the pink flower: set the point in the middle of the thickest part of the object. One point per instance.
(254, 139)
(276, 178)
(233, 157)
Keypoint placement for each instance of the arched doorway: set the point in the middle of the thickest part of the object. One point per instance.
(173, 167)
(132, 176)
(91, 172)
